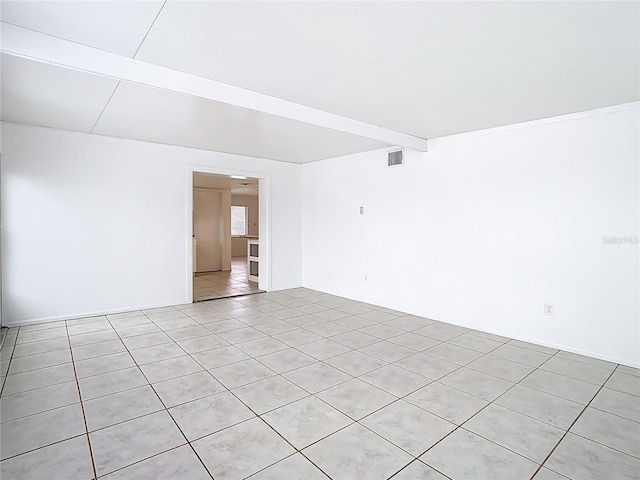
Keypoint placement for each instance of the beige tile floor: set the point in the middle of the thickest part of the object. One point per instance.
(303, 385)
(208, 286)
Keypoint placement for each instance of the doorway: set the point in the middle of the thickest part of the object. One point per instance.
(219, 254)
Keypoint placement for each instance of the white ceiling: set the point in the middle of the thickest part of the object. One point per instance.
(426, 69)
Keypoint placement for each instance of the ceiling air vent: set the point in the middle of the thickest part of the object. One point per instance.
(395, 158)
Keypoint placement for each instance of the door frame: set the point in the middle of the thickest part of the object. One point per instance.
(264, 219)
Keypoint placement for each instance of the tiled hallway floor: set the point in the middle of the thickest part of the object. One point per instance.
(304, 385)
(208, 286)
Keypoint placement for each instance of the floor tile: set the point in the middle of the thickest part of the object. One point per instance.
(628, 370)
(156, 353)
(262, 346)
(268, 394)
(146, 340)
(414, 341)
(179, 463)
(112, 382)
(241, 373)
(41, 360)
(93, 337)
(546, 474)
(355, 339)
(135, 330)
(441, 331)
(446, 402)
(98, 349)
(578, 370)
(241, 450)
(542, 406)
(187, 388)
(43, 377)
(356, 453)
(146, 436)
(387, 351)
(584, 359)
(70, 460)
(427, 366)
(619, 403)
(242, 335)
(474, 342)
(395, 380)
(17, 436)
(501, 368)
(323, 349)
(202, 344)
(356, 398)
(410, 322)
(94, 326)
(355, 363)
(381, 331)
(105, 364)
(295, 466)
(188, 332)
(327, 329)
(39, 400)
(306, 421)
(297, 337)
(477, 383)
(355, 323)
(561, 386)
(171, 368)
(286, 360)
(623, 382)
(119, 407)
(316, 377)
(610, 430)
(533, 346)
(43, 346)
(516, 354)
(227, 325)
(219, 357)
(596, 461)
(482, 459)
(524, 435)
(38, 335)
(417, 470)
(453, 353)
(210, 414)
(409, 427)
(275, 327)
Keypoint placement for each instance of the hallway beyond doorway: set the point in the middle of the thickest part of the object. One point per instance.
(208, 286)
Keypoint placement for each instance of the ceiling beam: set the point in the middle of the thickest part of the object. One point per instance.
(56, 51)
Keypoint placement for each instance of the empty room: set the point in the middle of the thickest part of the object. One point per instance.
(320, 240)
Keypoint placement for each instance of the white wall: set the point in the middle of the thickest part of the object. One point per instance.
(486, 228)
(95, 224)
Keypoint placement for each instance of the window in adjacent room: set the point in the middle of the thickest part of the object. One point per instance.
(238, 220)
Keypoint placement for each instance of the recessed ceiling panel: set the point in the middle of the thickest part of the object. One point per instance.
(283, 49)
(423, 68)
(41, 94)
(115, 26)
(160, 116)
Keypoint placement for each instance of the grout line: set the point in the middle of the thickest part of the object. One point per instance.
(84, 415)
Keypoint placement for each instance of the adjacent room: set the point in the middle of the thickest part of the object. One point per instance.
(320, 240)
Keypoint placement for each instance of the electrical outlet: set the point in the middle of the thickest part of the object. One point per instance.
(361, 210)
(365, 278)
(549, 309)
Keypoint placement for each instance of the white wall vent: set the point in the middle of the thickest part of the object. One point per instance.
(395, 158)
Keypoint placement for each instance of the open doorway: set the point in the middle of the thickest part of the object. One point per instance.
(225, 220)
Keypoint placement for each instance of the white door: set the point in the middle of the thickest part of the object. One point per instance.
(207, 228)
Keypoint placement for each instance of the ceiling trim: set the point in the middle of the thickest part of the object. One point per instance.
(45, 48)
